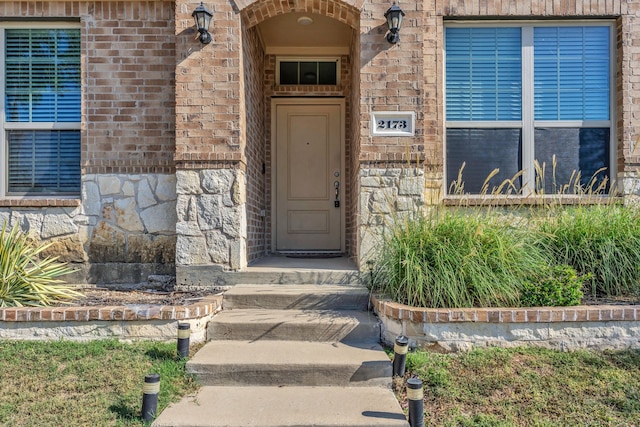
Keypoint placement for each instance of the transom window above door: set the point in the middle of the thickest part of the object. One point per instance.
(307, 71)
(530, 101)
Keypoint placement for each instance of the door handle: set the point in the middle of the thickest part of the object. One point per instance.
(336, 185)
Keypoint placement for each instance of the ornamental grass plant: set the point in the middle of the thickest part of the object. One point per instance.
(540, 251)
(602, 241)
(457, 259)
(25, 278)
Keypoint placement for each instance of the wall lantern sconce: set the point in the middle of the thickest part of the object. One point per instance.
(202, 16)
(394, 21)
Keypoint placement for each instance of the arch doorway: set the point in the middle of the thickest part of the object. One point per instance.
(299, 69)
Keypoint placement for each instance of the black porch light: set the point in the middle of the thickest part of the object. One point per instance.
(394, 21)
(202, 16)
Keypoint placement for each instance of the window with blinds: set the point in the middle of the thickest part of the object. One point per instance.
(522, 96)
(42, 110)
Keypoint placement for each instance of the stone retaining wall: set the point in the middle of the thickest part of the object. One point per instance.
(562, 328)
(126, 323)
(122, 230)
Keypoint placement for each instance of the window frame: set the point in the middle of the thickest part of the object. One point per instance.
(6, 126)
(528, 124)
(284, 58)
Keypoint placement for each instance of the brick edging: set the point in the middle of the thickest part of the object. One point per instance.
(206, 306)
(601, 313)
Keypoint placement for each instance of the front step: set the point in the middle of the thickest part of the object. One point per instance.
(314, 360)
(294, 325)
(286, 407)
(297, 297)
(290, 363)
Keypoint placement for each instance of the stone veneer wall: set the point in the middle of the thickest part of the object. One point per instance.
(211, 219)
(562, 328)
(123, 230)
(386, 195)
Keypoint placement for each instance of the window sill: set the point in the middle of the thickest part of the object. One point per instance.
(39, 202)
(473, 200)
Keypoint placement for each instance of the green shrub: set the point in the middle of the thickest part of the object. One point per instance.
(25, 279)
(603, 240)
(562, 287)
(457, 260)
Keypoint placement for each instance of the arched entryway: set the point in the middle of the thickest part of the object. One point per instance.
(299, 84)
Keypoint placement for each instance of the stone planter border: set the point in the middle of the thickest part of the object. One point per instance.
(129, 322)
(566, 328)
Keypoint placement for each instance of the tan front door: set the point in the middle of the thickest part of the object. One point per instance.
(309, 176)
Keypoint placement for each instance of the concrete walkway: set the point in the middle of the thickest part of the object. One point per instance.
(291, 355)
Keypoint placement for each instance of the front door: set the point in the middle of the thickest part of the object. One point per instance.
(308, 176)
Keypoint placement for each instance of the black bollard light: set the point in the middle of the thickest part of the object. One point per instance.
(150, 392)
(184, 332)
(400, 355)
(415, 396)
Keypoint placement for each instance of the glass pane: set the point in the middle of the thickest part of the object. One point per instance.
(308, 73)
(483, 73)
(288, 73)
(481, 151)
(583, 150)
(43, 69)
(571, 73)
(328, 73)
(44, 161)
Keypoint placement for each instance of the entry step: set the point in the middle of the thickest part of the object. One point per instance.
(291, 363)
(294, 325)
(297, 297)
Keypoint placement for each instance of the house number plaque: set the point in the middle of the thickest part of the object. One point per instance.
(393, 123)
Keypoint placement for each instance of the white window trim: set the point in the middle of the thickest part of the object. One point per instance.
(335, 59)
(528, 124)
(4, 149)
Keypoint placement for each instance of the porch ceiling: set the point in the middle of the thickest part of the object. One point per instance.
(283, 34)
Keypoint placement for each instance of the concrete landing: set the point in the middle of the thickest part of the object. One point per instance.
(275, 270)
(286, 407)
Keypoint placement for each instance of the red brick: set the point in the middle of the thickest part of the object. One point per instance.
(494, 316)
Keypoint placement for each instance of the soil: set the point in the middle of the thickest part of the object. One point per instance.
(104, 297)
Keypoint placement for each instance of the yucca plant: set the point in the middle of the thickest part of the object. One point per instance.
(25, 278)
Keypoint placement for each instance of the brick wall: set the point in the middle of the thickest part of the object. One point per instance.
(128, 68)
(129, 56)
(392, 78)
(353, 155)
(208, 104)
(253, 68)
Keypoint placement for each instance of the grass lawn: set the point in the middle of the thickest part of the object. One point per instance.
(98, 383)
(528, 387)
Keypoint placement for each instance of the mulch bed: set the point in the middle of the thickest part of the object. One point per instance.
(105, 297)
